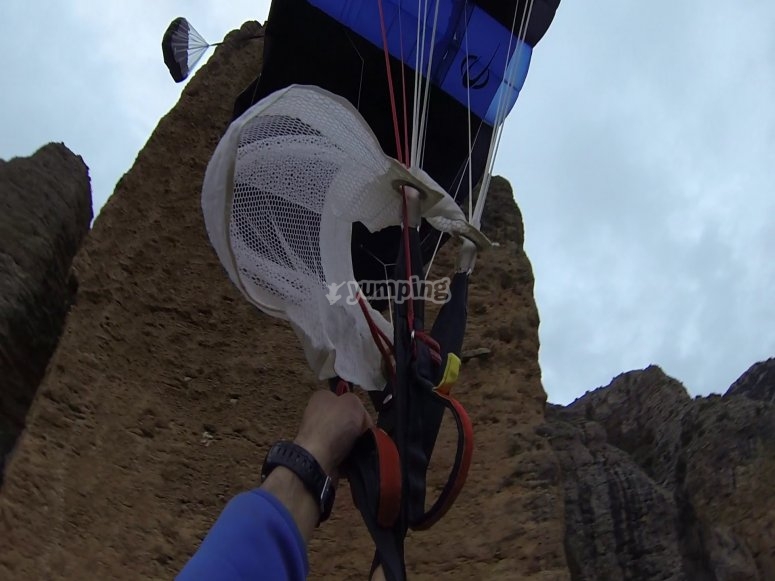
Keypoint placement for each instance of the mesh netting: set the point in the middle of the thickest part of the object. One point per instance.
(281, 192)
(275, 214)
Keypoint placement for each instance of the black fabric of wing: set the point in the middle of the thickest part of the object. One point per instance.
(541, 15)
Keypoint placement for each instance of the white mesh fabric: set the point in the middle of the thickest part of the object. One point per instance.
(281, 192)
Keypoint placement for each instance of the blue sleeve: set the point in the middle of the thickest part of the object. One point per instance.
(254, 538)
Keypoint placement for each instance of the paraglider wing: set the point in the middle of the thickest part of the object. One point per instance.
(182, 47)
(338, 46)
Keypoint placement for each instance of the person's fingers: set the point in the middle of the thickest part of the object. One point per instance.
(361, 418)
(330, 426)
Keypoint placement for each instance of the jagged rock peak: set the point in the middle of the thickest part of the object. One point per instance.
(502, 219)
(676, 488)
(636, 407)
(757, 383)
(649, 382)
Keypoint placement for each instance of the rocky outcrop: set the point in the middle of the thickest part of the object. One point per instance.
(167, 389)
(615, 514)
(46, 212)
(660, 486)
(757, 383)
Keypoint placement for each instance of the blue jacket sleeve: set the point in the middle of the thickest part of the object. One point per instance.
(255, 538)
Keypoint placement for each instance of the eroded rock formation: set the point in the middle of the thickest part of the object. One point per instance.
(757, 383)
(45, 211)
(660, 486)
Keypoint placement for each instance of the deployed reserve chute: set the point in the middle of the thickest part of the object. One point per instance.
(349, 159)
(183, 47)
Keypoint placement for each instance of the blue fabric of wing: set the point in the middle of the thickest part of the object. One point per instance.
(475, 57)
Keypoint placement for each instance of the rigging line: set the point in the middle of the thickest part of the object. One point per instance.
(433, 256)
(426, 98)
(375, 257)
(485, 183)
(426, 103)
(468, 124)
(466, 165)
(391, 90)
(510, 77)
(459, 179)
(384, 268)
(363, 65)
(502, 109)
(511, 81)
(422, 16)
(403, 85)
(500, 115)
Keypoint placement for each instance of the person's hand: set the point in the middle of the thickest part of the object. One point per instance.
(330, 426)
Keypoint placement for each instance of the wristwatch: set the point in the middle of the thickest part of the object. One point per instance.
(296, 459)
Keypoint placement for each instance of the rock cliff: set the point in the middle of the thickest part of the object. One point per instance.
(45, 212)
(660, 486)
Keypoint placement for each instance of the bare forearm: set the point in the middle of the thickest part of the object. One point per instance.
(289, 489)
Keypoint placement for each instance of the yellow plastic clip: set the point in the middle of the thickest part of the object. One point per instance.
(451, 373)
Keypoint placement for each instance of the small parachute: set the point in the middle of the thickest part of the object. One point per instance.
(183, 47)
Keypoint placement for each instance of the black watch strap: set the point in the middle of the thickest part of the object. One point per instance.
(296, 459)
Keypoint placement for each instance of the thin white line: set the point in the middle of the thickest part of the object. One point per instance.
(501, 112)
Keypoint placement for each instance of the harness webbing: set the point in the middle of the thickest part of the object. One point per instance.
(388, 467)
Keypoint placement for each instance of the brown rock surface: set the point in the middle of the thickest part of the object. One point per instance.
(167, 389)
(659, 486)
(45, 211)
(619, 521)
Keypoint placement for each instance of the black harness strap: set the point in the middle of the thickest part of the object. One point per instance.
(411, 409)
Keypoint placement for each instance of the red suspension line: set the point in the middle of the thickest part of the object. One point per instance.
(381, 340)
(399, 149)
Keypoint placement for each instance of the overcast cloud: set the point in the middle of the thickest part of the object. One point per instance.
(642, 152)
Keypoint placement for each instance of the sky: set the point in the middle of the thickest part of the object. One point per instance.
(641, 151)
